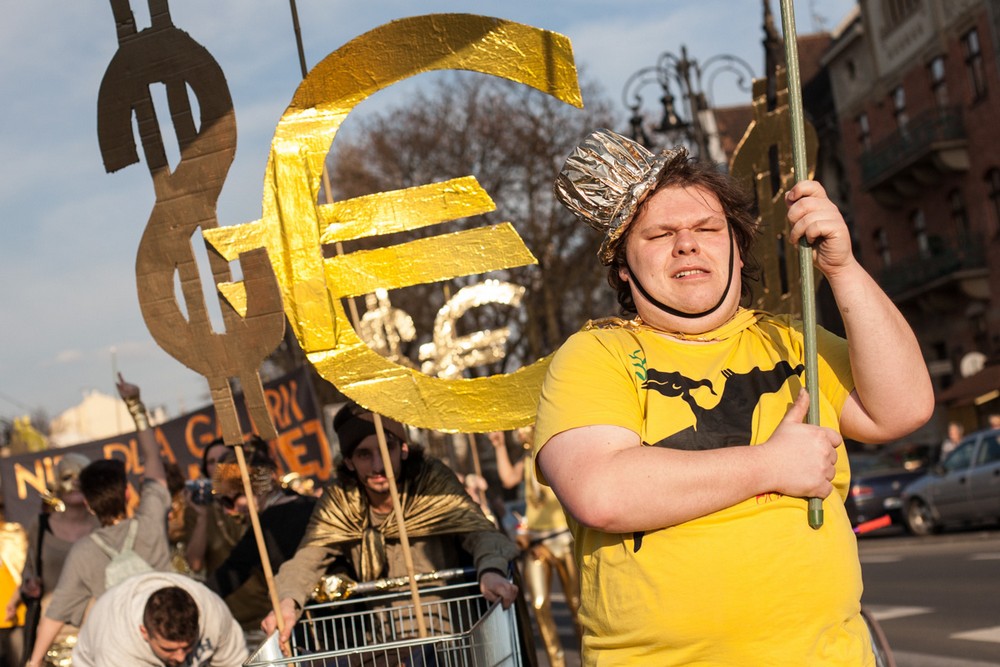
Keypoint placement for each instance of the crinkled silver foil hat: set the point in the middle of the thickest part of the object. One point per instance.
(605, 179)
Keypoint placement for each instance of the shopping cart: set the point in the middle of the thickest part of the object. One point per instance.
(464, 630)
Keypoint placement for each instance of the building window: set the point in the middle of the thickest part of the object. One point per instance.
(919, 223)
(993, 188)
(864, 131)
(959, 214)
(882, 245)
(894, 12)
(939, 86)
(974, 64)
(899, 107)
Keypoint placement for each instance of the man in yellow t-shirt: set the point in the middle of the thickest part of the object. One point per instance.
(675, 440)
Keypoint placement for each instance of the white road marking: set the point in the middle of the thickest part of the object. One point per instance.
(886, 613)
(880, 558)
(982, 635)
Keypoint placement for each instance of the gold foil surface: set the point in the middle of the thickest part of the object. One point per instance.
(777, 291)
(293, 227)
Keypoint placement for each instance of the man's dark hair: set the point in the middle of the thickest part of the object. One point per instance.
(737, 205)
(411, 465)
(103, 484)
(172, 614)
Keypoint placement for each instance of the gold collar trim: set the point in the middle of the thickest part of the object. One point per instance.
(742, 319)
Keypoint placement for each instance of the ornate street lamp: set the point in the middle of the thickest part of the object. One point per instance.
(694, 125)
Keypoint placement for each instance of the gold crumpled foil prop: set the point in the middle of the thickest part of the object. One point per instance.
(776, 292)
(293, 227)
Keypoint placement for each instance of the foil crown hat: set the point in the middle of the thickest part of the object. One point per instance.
(606, 178)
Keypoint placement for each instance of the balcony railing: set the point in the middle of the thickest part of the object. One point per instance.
(943, 260)
(911, 142)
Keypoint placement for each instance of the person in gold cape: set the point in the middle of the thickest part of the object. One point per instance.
(675, 439)
(354, 523)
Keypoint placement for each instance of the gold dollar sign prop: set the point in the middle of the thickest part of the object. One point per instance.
(293, 227)
(185, 201)
(777, 291)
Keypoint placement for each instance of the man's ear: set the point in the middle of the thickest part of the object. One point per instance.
(623, 273)
(404, 450)
(349, 463)
(143, 632)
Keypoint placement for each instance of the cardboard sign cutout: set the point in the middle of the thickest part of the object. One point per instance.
(186, 201)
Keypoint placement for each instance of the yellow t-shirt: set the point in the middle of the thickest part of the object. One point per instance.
(748, 585)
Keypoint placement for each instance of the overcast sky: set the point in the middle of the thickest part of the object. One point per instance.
(68, 303)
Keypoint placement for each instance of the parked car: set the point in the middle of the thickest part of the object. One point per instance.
(878, 480)
(963, 488)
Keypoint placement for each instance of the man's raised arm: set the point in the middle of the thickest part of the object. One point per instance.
(893, 395)
(152, 462)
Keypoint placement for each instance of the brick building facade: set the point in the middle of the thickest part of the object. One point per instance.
(917, 92)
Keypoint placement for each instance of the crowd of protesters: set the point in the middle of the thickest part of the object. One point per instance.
(172, 575)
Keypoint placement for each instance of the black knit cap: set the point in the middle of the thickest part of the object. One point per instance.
(353, 423)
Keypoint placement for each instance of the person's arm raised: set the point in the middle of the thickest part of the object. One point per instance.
(607, 480)
(893, 395)
(152, 462)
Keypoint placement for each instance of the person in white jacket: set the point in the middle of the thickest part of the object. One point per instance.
(158, 619)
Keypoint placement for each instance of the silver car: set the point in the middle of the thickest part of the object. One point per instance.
(963, 488)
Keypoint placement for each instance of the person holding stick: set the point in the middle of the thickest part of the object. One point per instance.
(283, 515)
(105, 489)
(675, 439)
(354, 524)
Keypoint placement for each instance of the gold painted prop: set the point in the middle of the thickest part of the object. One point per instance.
(384, 327)
(293, 227)
(185, 201)
(448, 355)
(333, 587)
(777, 291)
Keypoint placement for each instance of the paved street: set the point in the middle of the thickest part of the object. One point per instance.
(937, 598)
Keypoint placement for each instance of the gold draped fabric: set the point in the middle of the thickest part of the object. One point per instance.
(434, 503)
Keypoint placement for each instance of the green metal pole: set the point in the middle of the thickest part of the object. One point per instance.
(805, 252)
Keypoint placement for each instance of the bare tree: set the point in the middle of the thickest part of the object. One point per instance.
(513, 140)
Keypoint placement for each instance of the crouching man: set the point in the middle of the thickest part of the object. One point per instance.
(159, 619)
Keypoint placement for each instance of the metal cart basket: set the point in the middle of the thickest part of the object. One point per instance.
(464, 630)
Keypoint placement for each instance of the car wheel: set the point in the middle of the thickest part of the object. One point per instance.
(919, 518)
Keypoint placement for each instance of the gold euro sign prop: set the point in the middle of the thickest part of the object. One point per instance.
(186, 201)
(294, 227)
(777, 291)
(448, 355)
